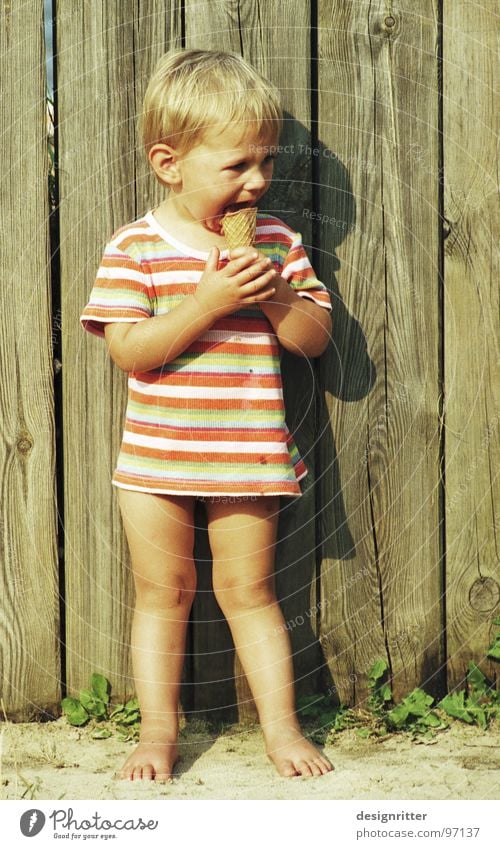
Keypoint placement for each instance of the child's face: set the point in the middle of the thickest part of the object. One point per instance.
(227, 170)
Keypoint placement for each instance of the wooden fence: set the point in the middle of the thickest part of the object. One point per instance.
(388, 170)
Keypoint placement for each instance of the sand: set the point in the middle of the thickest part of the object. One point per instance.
(55, 761)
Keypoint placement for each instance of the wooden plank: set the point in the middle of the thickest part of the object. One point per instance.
(379, 192)
(104, 57)
(276, 40)
(29, 648)
(472, 356)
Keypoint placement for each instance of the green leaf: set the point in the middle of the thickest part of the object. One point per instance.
(133, 704)
(494, 649)
(92, 704)
(418, 702)
(101, 734)
(453, 705)
(363, 732)
(130, 718)
(386, 692)
(74, 711)
(378, 669)
(101, 687)
(496, 620)
(398, 715)
(431, 720)
(476, 679)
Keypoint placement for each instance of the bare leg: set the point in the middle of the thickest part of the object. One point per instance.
(242, 539)
(159, 530)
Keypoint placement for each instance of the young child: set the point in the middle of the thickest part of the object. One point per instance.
(199, 330)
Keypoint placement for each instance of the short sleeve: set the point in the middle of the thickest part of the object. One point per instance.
(299, 273)
(122, 292)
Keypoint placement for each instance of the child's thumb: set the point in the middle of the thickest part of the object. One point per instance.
(213, 260)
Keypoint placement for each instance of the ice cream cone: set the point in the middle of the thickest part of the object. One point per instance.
(239, 227)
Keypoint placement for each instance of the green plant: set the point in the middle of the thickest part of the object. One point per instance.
(494, 649)
(380, 689)
(478, 704)
(326, 716)
(94, 706)
(413, 714)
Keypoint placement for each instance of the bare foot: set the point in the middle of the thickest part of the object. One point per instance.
(292, 754)
(150, 761)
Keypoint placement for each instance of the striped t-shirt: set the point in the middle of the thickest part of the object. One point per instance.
(212, 421)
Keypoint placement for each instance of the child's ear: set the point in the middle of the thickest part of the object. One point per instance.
(165, 163)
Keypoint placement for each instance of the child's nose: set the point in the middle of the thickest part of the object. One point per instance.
(255, 180)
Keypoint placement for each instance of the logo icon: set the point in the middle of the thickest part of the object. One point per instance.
(32, 822)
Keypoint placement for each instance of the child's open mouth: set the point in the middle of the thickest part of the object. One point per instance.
(234, 207)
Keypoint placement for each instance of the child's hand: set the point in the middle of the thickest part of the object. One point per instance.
(246, 279)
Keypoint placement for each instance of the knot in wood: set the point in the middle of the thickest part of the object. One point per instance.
(390, 26)
(24, 443)
(484, 595)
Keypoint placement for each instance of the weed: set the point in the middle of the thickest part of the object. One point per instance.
(478, 704)
(32, 787)
(94, 706)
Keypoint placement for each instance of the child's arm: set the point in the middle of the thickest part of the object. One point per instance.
(302, 326)
(150, 343)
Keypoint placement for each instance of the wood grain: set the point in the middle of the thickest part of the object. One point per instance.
(104, 57)
(378, 112)
(29, 629)
(398, 422)
(471, 335)
(276, 40)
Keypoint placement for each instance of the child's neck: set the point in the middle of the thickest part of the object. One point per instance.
(190, 232)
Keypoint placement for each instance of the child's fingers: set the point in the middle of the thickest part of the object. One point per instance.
(263, 295)
(213, 260)
(247, 259)
(259, 285)
(254, 272)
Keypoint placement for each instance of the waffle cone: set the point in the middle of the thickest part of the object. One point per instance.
(239, 227)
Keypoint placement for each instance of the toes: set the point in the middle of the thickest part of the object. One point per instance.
(315, 768)
(304, 768)
(148, 772)
(163, 778)
(287, 770)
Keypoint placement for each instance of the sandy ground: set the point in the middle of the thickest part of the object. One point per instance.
(55, 761)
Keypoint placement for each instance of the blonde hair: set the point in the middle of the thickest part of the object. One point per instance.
(191, 91)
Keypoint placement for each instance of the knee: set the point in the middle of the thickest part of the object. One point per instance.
(172, 591)
(242, 594)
